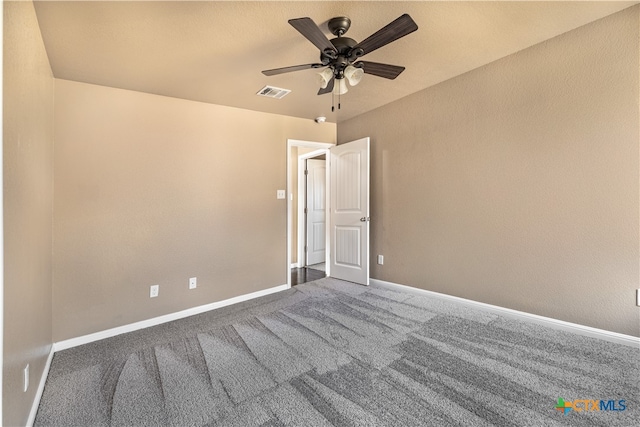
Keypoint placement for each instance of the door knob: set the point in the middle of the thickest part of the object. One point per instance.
(364, 219)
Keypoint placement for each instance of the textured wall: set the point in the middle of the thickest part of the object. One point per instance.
(27, 197)
(154, 190)
(516, 184)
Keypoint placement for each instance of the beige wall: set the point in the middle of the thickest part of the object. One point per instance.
(154, 190)
(27, 197)
(516, 184)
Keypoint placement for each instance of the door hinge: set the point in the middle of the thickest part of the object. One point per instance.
(305, 249)
(306, 210)
(306, 171)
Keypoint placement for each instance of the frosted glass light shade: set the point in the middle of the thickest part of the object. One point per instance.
(340, 87)
(353, 74)
(324, 77)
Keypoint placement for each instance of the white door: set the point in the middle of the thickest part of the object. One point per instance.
(349, 211)
(316, 223)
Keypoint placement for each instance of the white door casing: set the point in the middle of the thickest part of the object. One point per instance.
(316, 223)
(349, 211)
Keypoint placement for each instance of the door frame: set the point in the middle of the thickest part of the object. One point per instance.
(320, 148)
(302, 196)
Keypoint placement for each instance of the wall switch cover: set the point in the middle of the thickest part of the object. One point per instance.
(25, 378)
(380, 259)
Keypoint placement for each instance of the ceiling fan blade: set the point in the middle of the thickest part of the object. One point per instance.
(282, 70)
(329, 87)
(399, 28)
(311, 32)
(381, 70)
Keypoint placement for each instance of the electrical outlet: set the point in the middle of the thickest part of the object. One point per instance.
(25, 378)
(380, 259)
(281, 194)
(193, 283)
(154, 291)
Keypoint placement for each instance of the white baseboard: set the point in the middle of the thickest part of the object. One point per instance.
(546, 321)
(38, 396)
(74, 342)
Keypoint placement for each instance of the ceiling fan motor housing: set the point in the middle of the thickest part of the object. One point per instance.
(345, 55)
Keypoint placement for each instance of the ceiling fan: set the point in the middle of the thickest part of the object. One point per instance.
(341, 55)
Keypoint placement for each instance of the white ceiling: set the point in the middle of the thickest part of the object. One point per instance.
(213, 51)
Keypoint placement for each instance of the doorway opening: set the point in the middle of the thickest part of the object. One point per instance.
(311, 219)
(307, 230)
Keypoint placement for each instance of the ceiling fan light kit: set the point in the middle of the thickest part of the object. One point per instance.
(353, 74)
(341, 88)
(324, 77)
(341, 55)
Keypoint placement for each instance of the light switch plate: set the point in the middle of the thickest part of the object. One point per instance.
(25, 379)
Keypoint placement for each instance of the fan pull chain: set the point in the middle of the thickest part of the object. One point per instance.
(333, 101)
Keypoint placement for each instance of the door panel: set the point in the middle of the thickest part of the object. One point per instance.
(348, 174)
(348, 246)
(349, 211)
(316, 222)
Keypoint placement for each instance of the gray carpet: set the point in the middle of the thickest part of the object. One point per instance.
(333, 353)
